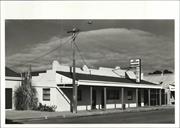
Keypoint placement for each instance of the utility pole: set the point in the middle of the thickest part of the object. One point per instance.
(74, 105)
(29, 75)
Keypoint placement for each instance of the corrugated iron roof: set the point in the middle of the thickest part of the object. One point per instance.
(165, 79)
(10, 72)
(102, 78)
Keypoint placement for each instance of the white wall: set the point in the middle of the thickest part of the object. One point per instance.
(44, 80)
(47, 79)
(56, 98)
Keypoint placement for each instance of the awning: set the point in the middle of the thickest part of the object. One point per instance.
(116, 84)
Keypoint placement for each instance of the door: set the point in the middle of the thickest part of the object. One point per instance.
(94, 99)
(145, 97)
(102, 98)
(8, 98)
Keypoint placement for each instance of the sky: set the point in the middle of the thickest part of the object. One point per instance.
(103, 43)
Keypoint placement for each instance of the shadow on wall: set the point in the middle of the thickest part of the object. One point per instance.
(83, 101)
(68, 95)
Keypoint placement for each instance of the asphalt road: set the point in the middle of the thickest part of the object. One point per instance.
(155, 116)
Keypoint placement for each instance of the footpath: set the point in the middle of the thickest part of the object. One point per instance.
(15, 115)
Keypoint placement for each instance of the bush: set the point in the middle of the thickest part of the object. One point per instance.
(46, 108)
(25, 98)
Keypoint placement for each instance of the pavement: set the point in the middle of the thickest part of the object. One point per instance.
(15, 115)
(161, 116)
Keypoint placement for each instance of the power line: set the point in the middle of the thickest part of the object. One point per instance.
(49, 51)
(43, 54)
(80, 54)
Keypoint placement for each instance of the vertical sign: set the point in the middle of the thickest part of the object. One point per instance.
(136, 63)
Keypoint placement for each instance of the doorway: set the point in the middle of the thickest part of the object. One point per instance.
(146, 97)
(139, 97)
(102, 98)
(8, 98)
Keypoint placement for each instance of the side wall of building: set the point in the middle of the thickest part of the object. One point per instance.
(58, 97)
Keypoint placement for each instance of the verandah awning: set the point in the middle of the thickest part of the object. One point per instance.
(115, 84)
(96, 80)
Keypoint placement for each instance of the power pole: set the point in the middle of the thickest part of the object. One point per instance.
(29, 75)
(74, 105)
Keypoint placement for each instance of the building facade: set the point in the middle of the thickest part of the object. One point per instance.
(103, 88)
(12, 81)
(167, 82)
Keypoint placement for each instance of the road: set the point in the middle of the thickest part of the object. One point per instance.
(155, 116)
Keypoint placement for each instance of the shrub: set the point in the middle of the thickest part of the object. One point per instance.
(25, 98)
(46, 108)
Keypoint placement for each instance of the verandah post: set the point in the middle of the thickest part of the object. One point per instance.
(136, 97)
(105, 98)
(91, 97)
(160, 97)
(122, 97)
(149, 97)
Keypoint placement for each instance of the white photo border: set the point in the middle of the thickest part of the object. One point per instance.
(89, 10)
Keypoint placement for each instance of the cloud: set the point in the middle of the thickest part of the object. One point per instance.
(104, 47)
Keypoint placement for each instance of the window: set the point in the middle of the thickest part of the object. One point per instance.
(112, 94)
(79, 96)
(130, 95)
(46, 94)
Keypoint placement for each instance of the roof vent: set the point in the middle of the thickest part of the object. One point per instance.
(130, 75)
(117, 67)
(85, 68)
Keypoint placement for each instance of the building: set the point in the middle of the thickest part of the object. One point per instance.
(167, 82)
(12, 81)
(103, 88)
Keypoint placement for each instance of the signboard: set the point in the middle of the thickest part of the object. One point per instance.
(135, 62)
(171, 88)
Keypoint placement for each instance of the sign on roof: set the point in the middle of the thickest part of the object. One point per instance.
(135, 62)
(171, 88)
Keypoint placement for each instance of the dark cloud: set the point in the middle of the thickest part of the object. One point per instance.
(22, 34)
(108, 47)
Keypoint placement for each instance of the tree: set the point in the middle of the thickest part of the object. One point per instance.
(167, 71)
(25, 95)
(160, 72)
(157, 72)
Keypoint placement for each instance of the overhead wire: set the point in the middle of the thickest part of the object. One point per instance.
(49, 52)
(79, 51)
(43, 54)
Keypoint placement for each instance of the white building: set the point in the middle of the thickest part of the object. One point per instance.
(103, 88)
(167, 82)
(12, 81)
